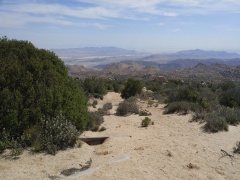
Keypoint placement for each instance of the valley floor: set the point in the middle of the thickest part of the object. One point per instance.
(172, 148)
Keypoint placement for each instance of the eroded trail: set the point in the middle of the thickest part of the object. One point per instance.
(172, 148)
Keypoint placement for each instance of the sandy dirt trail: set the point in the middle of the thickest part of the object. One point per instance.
(172, 148)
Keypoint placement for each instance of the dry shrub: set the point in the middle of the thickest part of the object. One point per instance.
(215, 123)
(128, 106)
(237, 148)
(144, 113)
(95, 121)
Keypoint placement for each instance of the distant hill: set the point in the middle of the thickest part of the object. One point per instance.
(208, 54)
(199, 72)
(207, 72)
(192, 54)
(128, 68)
(179, 63)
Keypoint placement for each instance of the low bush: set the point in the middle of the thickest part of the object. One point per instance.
(182, 107)
(53, 134)
(107, 106)
(215, 122)
(177, 107)
(95, 121)
(233, 116)
(198, 117)
(146, 122)
(127, 106)
(105, 110)
(17, 148)
(144, 113)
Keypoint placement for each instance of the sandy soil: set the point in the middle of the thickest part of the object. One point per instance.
(161, 151)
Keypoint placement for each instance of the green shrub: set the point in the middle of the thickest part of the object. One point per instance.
(95, 87)
(237, 148)
(117, 87)
(95, 121)
(215, 123)
(230, 97)
(132, 88)
(184, 93)
(146, 121)
(35, 83)
(127, 106)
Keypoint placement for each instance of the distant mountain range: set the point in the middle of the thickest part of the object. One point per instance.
(100, 57)
(191, 64)
(124, 70)
(192, 54)
(178, 64)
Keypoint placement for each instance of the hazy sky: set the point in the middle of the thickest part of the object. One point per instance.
(164, 25)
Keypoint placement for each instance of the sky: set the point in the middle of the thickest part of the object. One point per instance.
(144, 25)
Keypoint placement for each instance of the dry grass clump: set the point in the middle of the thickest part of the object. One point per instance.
(104, 153)
(139, 148)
